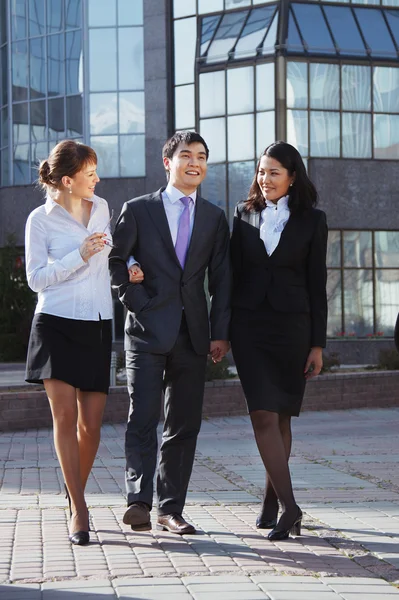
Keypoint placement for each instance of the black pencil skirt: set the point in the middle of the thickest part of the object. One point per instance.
(270, 349)
(74, 351)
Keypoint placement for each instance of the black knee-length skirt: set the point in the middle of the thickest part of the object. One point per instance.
(270, 349)
(77, 352)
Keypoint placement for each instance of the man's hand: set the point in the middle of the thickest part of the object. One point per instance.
(219, 349)
(314, 362)
(136, 275)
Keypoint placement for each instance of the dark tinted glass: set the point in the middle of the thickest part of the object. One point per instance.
(56, 62)
(54, 16)
(375, 32)
(18, 19)
(36, 17)
(226, 35)
(56, 127)
(313, 28)
(19, 71)
(345, 30)
(393, 21)
(209, 25)
(74, 114)
(254, 31)
(38, 120)
(294, 42)
(73, 14)
(37, 68)
(73, 52)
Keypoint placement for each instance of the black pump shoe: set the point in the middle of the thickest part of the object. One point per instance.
(80, 538)
(265, 523)
(294, 528)
(68, 497)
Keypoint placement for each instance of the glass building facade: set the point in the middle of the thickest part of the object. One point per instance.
(71, 69)
(324, 76)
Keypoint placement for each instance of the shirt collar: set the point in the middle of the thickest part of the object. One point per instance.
(174, 194)
(50, 203)
(282, 204)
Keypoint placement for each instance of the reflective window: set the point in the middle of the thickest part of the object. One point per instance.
(240, 90)
(55, 17)
(132, 112)
(103, 113)
(334, 249)
(212, 94)
(21, 123)
(387, 249)
(358, 250)
(107, 151)
(37, 68)
(56, 119)
(386, 296)
(356, 87)
(38, 152)
(38, 129)
(213, 188)
(386, 136)
(184, 8)
(3, 24)
(103, 59)
(102, 13)
(4, 127)
(265, 130)
(294, 41)
(56, 62)
(185, 107)
(209, 6)
(270, 40)
(393, 21)
(386, 89)
(73, 14)
(324, 86)
(240, 179)
(344, 29)
(36, 17)
(74, 116)
(131, 58)
(18, 19)
(214, 132)
(130, 12)
(132, 155)
(228, 4)
(297, 85)
(226, 35)
(19, 71)
(3, 76)
(254, 31)
(265, 86)
(74, 62)
(314, 28)
(297, 130)
(375, 32)
(324, 134)
(334, 296)
(240, 138)
(356, 135)
(208, 29)
(185, 35)
(22, 173)
(358, 301)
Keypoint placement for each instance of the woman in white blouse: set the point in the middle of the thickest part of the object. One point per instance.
(67, 245)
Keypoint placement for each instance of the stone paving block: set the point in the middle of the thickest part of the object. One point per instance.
(29, 591)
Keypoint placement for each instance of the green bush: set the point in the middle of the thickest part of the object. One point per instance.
(218, 370)
(329, 361)
(388, 360)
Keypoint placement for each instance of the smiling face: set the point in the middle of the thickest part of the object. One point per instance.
(187, 167)
(83, 183)
(273, 179)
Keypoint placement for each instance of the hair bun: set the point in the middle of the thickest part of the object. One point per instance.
(44, 173)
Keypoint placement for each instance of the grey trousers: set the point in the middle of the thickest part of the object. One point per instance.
(180, 374)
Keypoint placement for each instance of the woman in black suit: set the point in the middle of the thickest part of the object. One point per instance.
(279, 317)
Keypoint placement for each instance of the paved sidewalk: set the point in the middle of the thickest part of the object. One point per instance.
(346, 480)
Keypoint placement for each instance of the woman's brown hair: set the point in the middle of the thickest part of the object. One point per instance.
(66, 159)
(302, 194)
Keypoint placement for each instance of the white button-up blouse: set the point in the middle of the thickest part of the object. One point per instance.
(67, 286)
(273, 219)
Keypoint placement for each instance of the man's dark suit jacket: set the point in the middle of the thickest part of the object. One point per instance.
(293, 278)
(155, 306)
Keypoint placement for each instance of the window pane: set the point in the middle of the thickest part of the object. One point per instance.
(19, 71)
(393, 19)
(208, 28)
(4, 127)
(297, 130)
(131, 112)
(73, 14)
(3, 75)
(375, 32)
(240, 137)
(386, 136)
(387, 249)
(37, 68)
(324, 85)
(334, 249)
(54, 16)
(358, 301)
(38, 152)
(356, 87)
(209, 6)
(131, 58)
(265, 86)
(214, 132)
(185, 35)
(386, 89)
(103, 113)
(20, 123)
(132, 155)
(184, 106)
(324, 133)
(254, 31)
(36, 17)
(294, 41)
(18, 19)
(22, 173)
(240, 90)
(102, 13)
(56, 75)
(130, 12)
(265, 130)
(183, 8)
(314, 29)
(102, 59)
(212, 94)
(56, 126)
(236, 3)
(106, 148)
(356, 135)
(74, 116)
(345, 30)
(297, 85)
(226, 36)
(334, 298)
(357, 249)
(38, 129)
(240, 179)
(270, 40)
(74, 62)
(5, 167)
(213, 188)
(387, 300)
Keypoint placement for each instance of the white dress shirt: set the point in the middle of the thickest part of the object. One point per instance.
(173, 209)
(67, 286)
(273, 219)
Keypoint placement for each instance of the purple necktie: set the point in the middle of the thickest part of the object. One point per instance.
(183, 232)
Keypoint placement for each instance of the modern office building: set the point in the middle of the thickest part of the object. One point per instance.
(122, 75)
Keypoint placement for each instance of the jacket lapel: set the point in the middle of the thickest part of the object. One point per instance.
(199, 227)
(157, 213)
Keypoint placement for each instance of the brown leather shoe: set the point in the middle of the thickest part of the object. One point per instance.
(138, 516)
(175, 524)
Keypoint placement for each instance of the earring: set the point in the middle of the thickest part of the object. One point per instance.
(291, 184)
(70, 190)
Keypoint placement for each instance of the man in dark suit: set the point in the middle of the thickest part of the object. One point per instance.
(176, 237)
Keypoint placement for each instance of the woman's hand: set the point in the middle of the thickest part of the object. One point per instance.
(92, 245)
(136, 275)
(314, 362)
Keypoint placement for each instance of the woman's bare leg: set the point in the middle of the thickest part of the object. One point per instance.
(90, 415)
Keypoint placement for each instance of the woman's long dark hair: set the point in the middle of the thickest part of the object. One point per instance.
(302, 194)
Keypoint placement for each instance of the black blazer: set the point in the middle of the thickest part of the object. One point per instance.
(155, 306)
(293, 278)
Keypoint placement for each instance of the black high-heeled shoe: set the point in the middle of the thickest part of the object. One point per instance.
(68, 497)
(294, 528)
(262, 523)
(79, 538)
